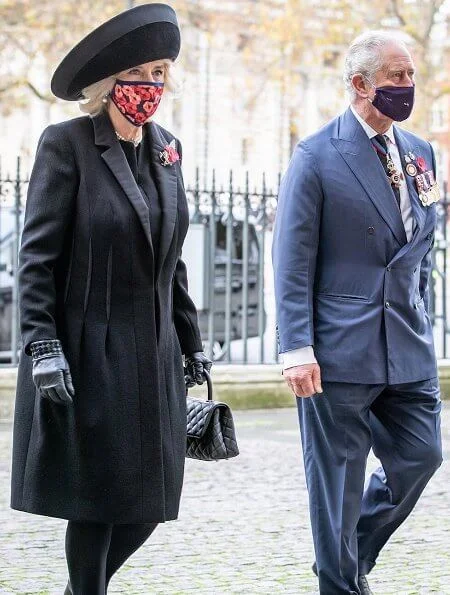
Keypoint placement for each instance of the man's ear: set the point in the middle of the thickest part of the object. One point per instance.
(361, 85)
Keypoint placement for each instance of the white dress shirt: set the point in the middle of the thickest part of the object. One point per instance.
(305, 355)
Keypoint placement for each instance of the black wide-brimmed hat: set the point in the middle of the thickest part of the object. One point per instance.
(142, 34)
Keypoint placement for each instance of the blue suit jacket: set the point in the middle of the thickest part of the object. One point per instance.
(346, 279)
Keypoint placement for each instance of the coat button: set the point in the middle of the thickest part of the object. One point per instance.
(388, 305)
(389, 269)
(371, 230)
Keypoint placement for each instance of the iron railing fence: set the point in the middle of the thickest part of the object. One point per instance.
(237, 220)
(12, 199)
(440, 278)
(237, 317)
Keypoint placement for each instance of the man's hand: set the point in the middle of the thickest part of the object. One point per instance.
(304, 381)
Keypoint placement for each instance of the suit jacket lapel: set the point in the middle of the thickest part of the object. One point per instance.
(404, 147)
(166, 182)
(115, 159)
(356, 149)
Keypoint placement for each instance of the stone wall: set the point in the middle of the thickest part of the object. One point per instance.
(242, 387)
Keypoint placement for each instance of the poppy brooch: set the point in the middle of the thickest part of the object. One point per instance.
(169, 155)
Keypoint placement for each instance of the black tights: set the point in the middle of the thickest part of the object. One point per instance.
(95, 551)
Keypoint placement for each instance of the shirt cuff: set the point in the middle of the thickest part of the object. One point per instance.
(298, 357)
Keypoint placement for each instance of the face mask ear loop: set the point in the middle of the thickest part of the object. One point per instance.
(372, 85)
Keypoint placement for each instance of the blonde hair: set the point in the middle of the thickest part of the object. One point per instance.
(93, 95)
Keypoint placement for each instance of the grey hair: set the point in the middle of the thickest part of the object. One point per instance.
(93, 96)
(365, 56)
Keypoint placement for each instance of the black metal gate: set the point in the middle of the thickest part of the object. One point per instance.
(439, 278)
(237, 220)
(238, 324)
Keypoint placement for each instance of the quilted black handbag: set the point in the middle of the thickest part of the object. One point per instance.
(210, 428)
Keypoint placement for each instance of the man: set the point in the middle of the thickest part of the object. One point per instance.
(351, 254)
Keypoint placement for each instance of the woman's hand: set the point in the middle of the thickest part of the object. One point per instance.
(51, 374)
(195, 363)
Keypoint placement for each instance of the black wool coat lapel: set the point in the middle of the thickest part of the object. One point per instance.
(115, 159)
(166, 182)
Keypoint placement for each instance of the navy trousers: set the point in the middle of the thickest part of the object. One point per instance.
(351, 524)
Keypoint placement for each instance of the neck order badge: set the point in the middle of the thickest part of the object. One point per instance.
(379, 143)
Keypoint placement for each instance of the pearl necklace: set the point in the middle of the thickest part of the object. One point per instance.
(129, 140)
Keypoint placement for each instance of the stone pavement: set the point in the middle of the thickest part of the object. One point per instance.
(243, 529)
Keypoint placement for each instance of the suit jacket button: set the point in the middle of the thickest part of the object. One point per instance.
(389, 269)
(371, 231)
(388, 305)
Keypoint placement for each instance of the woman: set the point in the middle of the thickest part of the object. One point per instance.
(104, 303)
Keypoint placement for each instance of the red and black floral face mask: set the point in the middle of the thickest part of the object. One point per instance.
(137, 100)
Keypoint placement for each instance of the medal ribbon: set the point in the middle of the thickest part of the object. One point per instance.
(380, 145)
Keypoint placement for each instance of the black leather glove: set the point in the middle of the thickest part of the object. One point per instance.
(51, 374)
(194, 365)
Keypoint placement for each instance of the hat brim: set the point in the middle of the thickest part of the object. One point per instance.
(142, 34)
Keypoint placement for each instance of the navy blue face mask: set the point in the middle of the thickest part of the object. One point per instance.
(394, 102)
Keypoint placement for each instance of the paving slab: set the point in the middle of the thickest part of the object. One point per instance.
(243, 529)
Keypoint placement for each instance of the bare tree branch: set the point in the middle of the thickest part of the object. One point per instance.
(23, 82)
(435, 7)
(12, 39)
(396, 11)
(42, 96)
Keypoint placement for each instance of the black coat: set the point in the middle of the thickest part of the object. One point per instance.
(88, 278)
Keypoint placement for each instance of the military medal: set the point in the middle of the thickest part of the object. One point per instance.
(411, 169)
(427, 188)
(435, 193)
(426, 185)
(431, 196)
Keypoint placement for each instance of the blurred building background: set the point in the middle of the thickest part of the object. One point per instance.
(258, 75)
